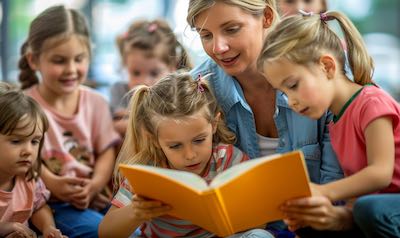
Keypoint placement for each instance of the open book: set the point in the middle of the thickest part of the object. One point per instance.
(242, 197)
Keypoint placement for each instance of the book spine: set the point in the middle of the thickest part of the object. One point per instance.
(224, 215)
(216, 214)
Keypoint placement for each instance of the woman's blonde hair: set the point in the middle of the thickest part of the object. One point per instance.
(303, 38)
(254, 7)
(175, 96)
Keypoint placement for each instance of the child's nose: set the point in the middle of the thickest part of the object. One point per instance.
(27, 149)
(189, 153)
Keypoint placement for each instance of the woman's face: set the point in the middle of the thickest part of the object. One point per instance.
(232, 37)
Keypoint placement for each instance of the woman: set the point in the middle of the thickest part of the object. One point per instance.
(232, 34)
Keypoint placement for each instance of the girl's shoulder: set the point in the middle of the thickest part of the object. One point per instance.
(91, 95)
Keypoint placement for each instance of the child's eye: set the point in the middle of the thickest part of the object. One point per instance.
(15, 141)
(199, 141)
(135, 73)
(58, 61)
(79, 58)
(154, 73)
(174, 147)
(35, 142)
(293, 85)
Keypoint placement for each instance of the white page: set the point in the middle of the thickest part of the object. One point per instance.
(189, 179)
(238, 169)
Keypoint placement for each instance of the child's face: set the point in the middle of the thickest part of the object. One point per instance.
(144, 70)
(19, 151)
(309, 91)
(187, 142)
(63, 67)
(292, 7)
(231, 37)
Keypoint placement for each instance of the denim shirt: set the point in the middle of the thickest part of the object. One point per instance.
(295, 132)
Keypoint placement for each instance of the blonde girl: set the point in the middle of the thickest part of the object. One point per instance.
(149, 50)
(291, 7)
(22, 193)
(174, 124)
(79, 149)
(303, 57)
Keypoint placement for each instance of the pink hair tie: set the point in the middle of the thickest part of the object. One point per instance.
(199, 86)
(152, 27)
(324, 17)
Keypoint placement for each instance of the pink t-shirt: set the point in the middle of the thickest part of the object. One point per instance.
(72, 143)
(347, 134)
(25, 198)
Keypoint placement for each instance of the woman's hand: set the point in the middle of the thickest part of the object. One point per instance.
(318, 213)
(146, 209)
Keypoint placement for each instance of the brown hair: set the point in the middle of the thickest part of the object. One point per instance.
(55, 22)
(16, 106)
(147, 35)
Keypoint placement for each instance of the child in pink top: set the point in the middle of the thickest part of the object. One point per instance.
(303, 57)
(22, 194)
(79, 151)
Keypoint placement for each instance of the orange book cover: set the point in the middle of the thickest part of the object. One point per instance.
(244, 196)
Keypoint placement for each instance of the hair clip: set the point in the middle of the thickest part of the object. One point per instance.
(123, 36)
(152, 27)
(199, 86)
(324, 17)
(304, 13)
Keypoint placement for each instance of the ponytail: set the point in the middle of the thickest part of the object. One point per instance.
(361, 64)
(27, 77)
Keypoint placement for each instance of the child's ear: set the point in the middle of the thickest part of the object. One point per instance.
(328, 65)
(268, 18)
(31, 61)
(216, 121)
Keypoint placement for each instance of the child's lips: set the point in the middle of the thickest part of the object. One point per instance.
(25, 162)
(193, 166)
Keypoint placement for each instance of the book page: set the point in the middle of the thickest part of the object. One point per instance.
(239, 169)
(186, 178)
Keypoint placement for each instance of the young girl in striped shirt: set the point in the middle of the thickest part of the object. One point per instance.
(174, 124)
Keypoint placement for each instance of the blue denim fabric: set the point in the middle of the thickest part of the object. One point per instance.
(378, 215)
(74, 222)
(296, 132)
(255, 233)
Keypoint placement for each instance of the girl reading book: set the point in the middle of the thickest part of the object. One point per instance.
(304, 58)
(173, 124)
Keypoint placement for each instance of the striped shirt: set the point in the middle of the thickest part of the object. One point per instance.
(224, 156)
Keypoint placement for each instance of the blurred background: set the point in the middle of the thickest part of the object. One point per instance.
(377, 20)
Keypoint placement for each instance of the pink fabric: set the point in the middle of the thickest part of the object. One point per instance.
(347, 134)
(25, 198)
(72, 143)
